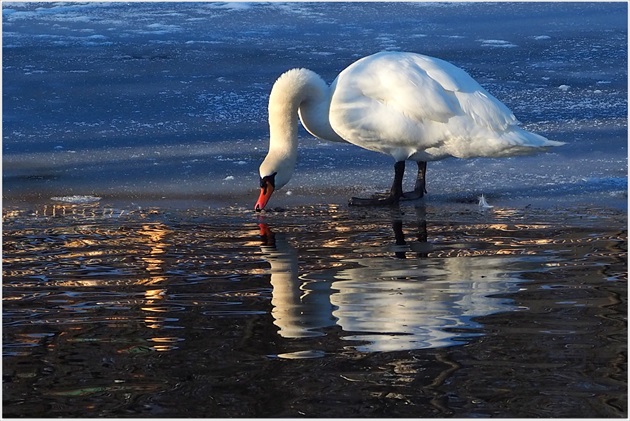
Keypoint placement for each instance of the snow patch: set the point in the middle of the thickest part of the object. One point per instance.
(161, 28)
(77, 199)
(497, 43)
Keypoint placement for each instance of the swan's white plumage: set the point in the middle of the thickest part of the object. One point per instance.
(407, 105)
(417, 107)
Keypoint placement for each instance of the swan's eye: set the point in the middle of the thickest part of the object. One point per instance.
(268, 179)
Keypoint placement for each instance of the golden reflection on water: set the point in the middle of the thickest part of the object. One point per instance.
(153, 235)
(83, 211)
(353, 272)
(99, 308)
(91, 252)
(151, 295)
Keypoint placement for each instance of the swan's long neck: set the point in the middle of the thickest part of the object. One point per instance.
(296, 91)
(287, 94)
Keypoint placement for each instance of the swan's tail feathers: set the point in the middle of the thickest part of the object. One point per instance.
(554, 143)
(546, 143)
(524, 142)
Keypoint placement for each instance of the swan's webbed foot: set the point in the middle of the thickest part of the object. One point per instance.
(396, 193)
(412, 195)
(375, 200)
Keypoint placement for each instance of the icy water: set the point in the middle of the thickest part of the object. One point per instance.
(316, 311)
(138, 281)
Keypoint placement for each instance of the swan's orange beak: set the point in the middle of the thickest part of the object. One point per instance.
(266, 189)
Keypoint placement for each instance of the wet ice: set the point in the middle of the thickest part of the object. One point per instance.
(161, 100)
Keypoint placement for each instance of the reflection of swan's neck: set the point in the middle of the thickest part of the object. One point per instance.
(284, 264)
(298, 310)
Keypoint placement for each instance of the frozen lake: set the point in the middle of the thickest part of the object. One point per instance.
(139, 282)
(168, 100)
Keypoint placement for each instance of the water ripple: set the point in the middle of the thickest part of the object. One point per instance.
(93, 300)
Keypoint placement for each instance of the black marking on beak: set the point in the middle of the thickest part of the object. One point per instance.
(268, 180)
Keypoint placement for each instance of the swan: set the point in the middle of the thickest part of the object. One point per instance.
(407, 105)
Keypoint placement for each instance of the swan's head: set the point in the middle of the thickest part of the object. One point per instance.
(274, 174)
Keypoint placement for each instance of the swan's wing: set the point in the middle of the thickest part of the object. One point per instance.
(473, 100)
(400, 103)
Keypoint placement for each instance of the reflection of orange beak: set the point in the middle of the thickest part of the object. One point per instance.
(265, 194)
(268, 237)
(264, 230)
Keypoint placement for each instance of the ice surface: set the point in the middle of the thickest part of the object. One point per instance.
(76, 199)
(135, 101)
(496, 43)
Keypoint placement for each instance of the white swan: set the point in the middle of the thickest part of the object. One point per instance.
(410, 106)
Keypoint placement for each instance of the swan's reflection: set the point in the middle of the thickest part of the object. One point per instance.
(398, 305)
(299, 307)
(389, 303)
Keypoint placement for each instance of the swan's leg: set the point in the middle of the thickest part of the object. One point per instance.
(421, 181)
(400, 238)
(420, 188)
(395, 193)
